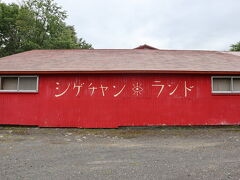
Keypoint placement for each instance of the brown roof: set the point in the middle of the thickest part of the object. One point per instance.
(145, 46)
(128, 60)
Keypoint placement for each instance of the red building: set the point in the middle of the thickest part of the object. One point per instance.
(111, 88)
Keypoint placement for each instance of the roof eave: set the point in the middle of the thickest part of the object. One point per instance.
(121, 72)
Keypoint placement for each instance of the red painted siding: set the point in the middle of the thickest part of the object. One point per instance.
(108, 101)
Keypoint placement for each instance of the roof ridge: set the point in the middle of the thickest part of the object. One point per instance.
(123, 50)
(234, 53)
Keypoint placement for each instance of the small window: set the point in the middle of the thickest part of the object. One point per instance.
(236, 84)
(18, 83)
(226, 84)
(9, 83)
(27, 83)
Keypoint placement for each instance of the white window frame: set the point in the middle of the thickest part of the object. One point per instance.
(227, 77)
(19, 76)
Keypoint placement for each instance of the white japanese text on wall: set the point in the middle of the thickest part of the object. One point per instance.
(155, 88)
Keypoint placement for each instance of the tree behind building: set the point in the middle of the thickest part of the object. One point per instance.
(36, 24)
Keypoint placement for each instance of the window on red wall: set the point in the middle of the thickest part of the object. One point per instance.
(226, 84)
(18, 83)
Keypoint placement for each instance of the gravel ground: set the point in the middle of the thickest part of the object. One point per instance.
(125, 153)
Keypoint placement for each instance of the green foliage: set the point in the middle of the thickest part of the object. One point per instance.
(36, 24)
(9, 40)
(83, 44)
(235, 47)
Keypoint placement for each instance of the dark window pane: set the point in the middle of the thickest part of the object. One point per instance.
(9, 83)
(236, 84)
(222, 84)
(28, 83)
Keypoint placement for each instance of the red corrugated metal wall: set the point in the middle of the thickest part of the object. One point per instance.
(108, 101)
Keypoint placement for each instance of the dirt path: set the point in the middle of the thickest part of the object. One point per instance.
(138, 153)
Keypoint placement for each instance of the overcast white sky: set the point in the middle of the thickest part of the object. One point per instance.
(165, 24)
